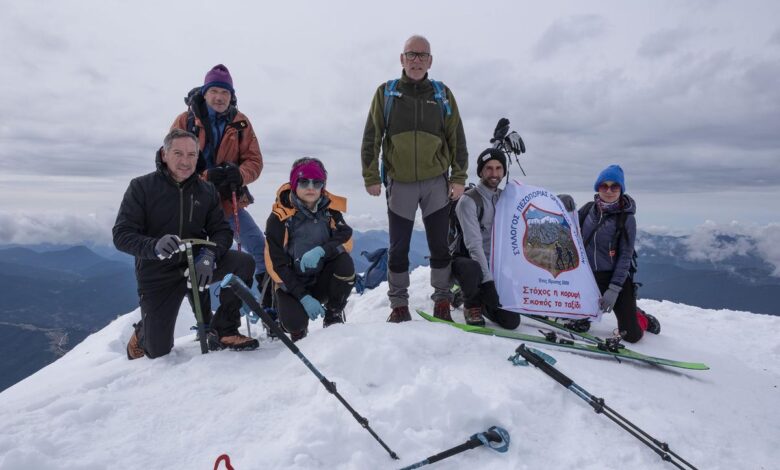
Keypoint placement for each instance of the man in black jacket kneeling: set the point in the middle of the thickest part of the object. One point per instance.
(158, 211)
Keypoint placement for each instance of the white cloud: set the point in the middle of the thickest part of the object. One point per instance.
(89, 94)
(719, 242)
(55, 228)
(567, 33)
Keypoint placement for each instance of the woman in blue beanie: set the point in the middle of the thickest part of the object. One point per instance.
(608, 228)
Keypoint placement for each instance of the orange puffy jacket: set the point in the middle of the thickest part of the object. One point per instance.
(244, 152)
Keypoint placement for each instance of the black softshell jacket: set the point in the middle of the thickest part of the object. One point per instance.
(155, 205)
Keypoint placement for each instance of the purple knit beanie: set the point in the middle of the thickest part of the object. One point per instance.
(310, 168)
(219, 76)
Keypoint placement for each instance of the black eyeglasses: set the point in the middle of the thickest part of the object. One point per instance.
(307, 183)
(411, 55)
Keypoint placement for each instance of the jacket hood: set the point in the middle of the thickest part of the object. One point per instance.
(284, 208)
(200, 109)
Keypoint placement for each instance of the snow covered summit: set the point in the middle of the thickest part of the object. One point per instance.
(424, 388)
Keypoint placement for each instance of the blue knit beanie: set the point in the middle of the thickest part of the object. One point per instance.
(611, 173)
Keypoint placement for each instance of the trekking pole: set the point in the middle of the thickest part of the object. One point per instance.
(188, 243)
(598, 405)
(494, 438)
(235, 219)
(238, 241)
(243, 292)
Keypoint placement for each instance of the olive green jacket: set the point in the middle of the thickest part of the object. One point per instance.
(420, 140)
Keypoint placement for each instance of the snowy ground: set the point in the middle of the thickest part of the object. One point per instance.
(424, 388)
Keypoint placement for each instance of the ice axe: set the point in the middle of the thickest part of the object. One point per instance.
(188, 243)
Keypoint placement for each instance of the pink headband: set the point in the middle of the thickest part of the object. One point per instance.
(311, 170)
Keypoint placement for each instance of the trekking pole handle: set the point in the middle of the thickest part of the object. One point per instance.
(539, 363)
(495, 438)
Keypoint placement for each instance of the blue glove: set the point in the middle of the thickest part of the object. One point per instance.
(311, 258)
(607, 301)
(312, 306)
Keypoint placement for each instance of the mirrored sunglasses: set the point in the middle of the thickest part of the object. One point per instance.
(609, 187)
(307, 183)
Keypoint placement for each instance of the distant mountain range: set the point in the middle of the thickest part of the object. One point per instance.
(54, 296)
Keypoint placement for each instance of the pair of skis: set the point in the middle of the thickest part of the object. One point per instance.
(595, 346)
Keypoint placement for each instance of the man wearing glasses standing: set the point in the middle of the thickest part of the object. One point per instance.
(415, 123)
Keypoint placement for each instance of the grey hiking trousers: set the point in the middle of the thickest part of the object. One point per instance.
(432, 197)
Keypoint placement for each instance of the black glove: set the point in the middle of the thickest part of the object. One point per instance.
(515, 143)
(233, 179)
(216, 175)
(501, 130)
(489, 295)
(568, 202)
(167, 246)
(204, 269)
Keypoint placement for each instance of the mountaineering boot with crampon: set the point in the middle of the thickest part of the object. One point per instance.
(441, 310)
(299, 335)
(134, 349)
(653, 325)
(473, 316)
(333, 317)
(399, 314)
(236, 342)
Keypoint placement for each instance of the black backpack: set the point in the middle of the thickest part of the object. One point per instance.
(614, 245)
(455, 234)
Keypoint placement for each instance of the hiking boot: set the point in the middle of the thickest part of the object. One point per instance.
(134, 349)
(299, 335)
(581, 326)
(441, 310)
(236, 342)
(653, 325)
(333, 317)
(473, 316)
(399, 314)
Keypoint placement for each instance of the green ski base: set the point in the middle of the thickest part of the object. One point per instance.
(623, 354)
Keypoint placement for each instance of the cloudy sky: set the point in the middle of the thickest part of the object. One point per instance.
(683, 94)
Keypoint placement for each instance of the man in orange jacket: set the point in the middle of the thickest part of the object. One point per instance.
(232, 153)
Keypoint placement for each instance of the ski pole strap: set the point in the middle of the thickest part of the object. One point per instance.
(538, 362)
(494, 438)
(223, 458)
